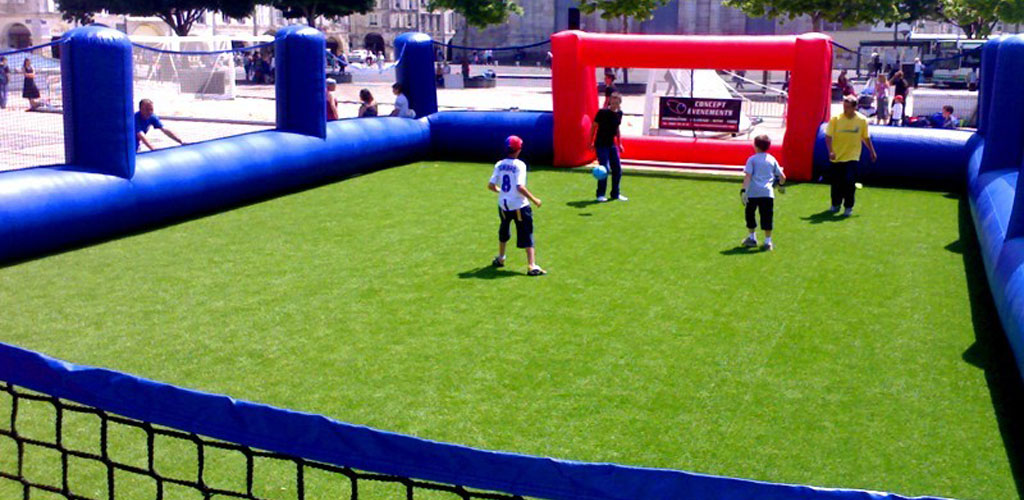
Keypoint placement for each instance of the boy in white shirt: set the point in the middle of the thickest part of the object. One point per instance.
(402, 109)
(509, 181)
(760, 173)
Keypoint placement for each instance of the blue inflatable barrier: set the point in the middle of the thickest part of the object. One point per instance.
(480, 135)
(300, 79)
(108, 190)
(48, 209)
(316, 437)
(911, 157)
(99, 129)
(415, 71)
(995, 193)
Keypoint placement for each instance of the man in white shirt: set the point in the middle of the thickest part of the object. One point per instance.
(918, 71)
(509, 181)
(402, 109)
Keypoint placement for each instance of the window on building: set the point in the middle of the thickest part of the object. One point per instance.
(374, 20)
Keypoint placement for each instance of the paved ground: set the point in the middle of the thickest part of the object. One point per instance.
(32, 138)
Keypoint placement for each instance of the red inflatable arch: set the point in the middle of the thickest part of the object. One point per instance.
(576, 54)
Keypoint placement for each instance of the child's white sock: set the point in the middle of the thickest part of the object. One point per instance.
(501, 258)
(767, 239)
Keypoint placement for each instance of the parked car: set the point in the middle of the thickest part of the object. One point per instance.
(357, 56)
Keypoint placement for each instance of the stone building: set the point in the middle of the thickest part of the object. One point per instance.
(376, 31)
(541, 18)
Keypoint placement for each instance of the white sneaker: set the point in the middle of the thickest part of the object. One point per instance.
(602, 199)
(622, 198)
(833, 208)
(848, 212)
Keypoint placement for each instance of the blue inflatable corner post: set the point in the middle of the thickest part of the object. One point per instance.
(301, 81)
(99, 125)
(989, 52)
(1003, 106)
(415, 72)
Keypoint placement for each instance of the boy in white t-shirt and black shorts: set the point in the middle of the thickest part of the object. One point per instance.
(509, 181)
(758, 195)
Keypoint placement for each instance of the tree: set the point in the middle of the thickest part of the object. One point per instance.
(979, 17)
(180, 15)
(310, 10)
(81, 12)
(478, 13)
(641, 10)
(896, 12)
(848, 12)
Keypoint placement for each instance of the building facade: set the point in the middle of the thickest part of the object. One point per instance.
(376, 31)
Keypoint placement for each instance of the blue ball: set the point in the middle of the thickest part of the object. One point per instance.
(599, 172)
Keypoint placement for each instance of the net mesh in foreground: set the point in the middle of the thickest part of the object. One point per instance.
(50, 448)
(31, 126)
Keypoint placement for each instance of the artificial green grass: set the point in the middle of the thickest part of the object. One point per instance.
(837, 360)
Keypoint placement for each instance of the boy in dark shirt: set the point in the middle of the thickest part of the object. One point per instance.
(607, 142)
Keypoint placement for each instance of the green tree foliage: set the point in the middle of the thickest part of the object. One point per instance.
(180, 15)
(979, 17)
(77, 11)
(311, 10)
(848, 12)
(641, 10)
(478, 13)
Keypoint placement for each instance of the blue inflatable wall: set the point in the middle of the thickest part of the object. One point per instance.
(480, 135)
(108, 190)
(910, 157)
(996, 198)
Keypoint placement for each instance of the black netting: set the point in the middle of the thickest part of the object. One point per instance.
(203, 89)
(31, 126)
(50, 448)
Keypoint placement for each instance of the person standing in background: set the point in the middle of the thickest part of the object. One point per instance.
(368, 108)
(881, 100)
(5, 78)
(29, 89)
(332, 102)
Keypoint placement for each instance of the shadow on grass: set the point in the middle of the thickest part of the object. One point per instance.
(991, 350)
(582, 204)
(488, 273)
(742, 250)
(825, 216)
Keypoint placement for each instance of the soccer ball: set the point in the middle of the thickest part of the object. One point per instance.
(599, 172)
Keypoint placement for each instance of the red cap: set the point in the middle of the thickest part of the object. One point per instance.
(514, 143)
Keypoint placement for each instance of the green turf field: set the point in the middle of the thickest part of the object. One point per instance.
(852, 356)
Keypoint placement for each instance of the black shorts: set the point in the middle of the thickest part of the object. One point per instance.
(523, 218)
(766, 206)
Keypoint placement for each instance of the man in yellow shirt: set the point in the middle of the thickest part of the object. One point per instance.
(844, 136)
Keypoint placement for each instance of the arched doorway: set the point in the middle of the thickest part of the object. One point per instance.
(18, 36)
(147, 29)
(333, 46)
(374, 42)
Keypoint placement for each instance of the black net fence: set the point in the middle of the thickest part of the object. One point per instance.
(202, 88)
(51, 448)
(31, 126)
